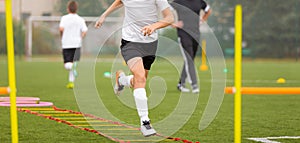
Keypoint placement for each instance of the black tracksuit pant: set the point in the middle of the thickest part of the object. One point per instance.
(189, 47)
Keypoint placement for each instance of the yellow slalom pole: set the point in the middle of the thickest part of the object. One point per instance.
(238, 74)
(203, 66)
(11, 71)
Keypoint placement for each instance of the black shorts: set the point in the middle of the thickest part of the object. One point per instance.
(146, 51)
(71, 55)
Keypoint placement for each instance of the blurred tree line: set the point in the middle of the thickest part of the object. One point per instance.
(270, 27)
(19, 37)
(86, 8)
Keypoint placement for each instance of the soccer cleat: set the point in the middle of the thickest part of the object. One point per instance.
(118, 87)
(181, 88)
(70, 85)
(147, 129)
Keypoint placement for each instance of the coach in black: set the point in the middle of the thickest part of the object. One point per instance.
(188, 37)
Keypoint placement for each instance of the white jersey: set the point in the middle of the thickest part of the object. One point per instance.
(73, 26)
(140, 13)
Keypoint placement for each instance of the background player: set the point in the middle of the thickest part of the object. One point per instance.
(72, 29)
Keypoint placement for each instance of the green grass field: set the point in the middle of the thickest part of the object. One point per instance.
(262, 115)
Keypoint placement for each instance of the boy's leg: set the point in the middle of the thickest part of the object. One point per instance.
(181, 84)
(122, 81)
(185, 73)
(68, 56)
(76, 59)
(139, 82)
(195, 87)
(188, 52)
(68, 66)
(74, 69)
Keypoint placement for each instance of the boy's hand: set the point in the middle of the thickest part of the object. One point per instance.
(148, 30)
(178, 24)
(99, 22)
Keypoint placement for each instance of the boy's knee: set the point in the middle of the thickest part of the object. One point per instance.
(140, 80)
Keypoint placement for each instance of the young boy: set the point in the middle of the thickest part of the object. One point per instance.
(138, 48)
(72, 29)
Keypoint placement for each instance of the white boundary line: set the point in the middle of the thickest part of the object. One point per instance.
(269, 139)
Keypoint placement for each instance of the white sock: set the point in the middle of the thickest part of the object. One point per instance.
(141, 103)
(71, 76)
(125, 80)
(129, 80)
(68, 66)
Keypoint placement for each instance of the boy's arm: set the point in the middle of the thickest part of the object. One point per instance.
(83, 34)
(61, 31)
(206, 15)
(207, 11)
(115, 5)
(84, 29)
(61, 27)
(167, 20)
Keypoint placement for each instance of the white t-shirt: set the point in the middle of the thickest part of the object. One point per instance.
(73, 26)
(140, 13)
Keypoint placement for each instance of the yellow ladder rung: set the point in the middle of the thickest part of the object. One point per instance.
(143, 140)
(124, 134)
(106, 125)
(94, 121)
(64, 112)
(119, 129)
(38, 109)
(59, 115)
(74, 119)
